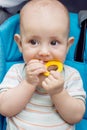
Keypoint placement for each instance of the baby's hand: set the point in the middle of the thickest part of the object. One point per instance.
(33, 69)
(54, 83)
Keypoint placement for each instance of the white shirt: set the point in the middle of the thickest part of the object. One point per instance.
(40, 113)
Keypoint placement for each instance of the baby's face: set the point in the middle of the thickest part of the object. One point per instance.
(45, 36)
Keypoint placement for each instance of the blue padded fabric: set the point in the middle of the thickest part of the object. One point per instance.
(9, 54)
(2, 61)
(9, 49)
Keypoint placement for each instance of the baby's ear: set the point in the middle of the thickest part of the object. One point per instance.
(70, 42)
(17, 38)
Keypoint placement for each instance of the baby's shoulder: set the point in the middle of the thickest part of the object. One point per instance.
(70, 70)
(17, 67)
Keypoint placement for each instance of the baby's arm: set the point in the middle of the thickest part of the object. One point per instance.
(70, 108)
(13, 100)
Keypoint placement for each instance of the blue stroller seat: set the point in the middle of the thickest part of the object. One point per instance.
(9, 55)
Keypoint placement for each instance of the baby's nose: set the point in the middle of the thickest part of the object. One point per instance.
(44, 51)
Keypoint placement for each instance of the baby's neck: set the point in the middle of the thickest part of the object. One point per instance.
(41, 90)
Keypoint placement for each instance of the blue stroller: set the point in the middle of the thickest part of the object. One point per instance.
(76, 57)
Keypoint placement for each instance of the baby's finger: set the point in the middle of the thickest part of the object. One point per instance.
(34, 61)
(39, 71)
(55, 74)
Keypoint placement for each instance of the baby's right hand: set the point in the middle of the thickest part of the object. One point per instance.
(33, 69)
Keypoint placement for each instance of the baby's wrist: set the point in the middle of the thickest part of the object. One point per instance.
(54, 93)
(28, 84)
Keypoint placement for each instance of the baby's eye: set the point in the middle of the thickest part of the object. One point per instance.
(53, 43)
(34, 42)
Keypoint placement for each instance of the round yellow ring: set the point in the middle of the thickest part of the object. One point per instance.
(50, 63)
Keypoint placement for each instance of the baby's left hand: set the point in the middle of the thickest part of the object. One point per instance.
(54, 83)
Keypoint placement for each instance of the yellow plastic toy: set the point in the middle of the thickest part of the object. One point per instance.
(57, 64)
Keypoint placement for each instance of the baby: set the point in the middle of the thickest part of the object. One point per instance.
(29, 99)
